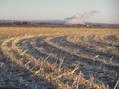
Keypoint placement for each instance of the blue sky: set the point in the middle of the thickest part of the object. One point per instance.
(107, 10)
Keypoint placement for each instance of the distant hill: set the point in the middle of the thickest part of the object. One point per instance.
(54, 22)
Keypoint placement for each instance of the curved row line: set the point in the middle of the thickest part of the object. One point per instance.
(64, 75)
(48, 40)
(8, 51)
(89, 44)
(81, 47)
(36, 45)
(48, 49)
(68, 60)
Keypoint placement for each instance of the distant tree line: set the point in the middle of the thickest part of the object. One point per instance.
(16, 23)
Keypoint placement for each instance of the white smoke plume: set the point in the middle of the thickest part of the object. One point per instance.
(80, 18)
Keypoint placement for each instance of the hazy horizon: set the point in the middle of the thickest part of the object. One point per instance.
(99, 11)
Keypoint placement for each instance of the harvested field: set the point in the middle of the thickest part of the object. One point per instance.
(59, 58)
